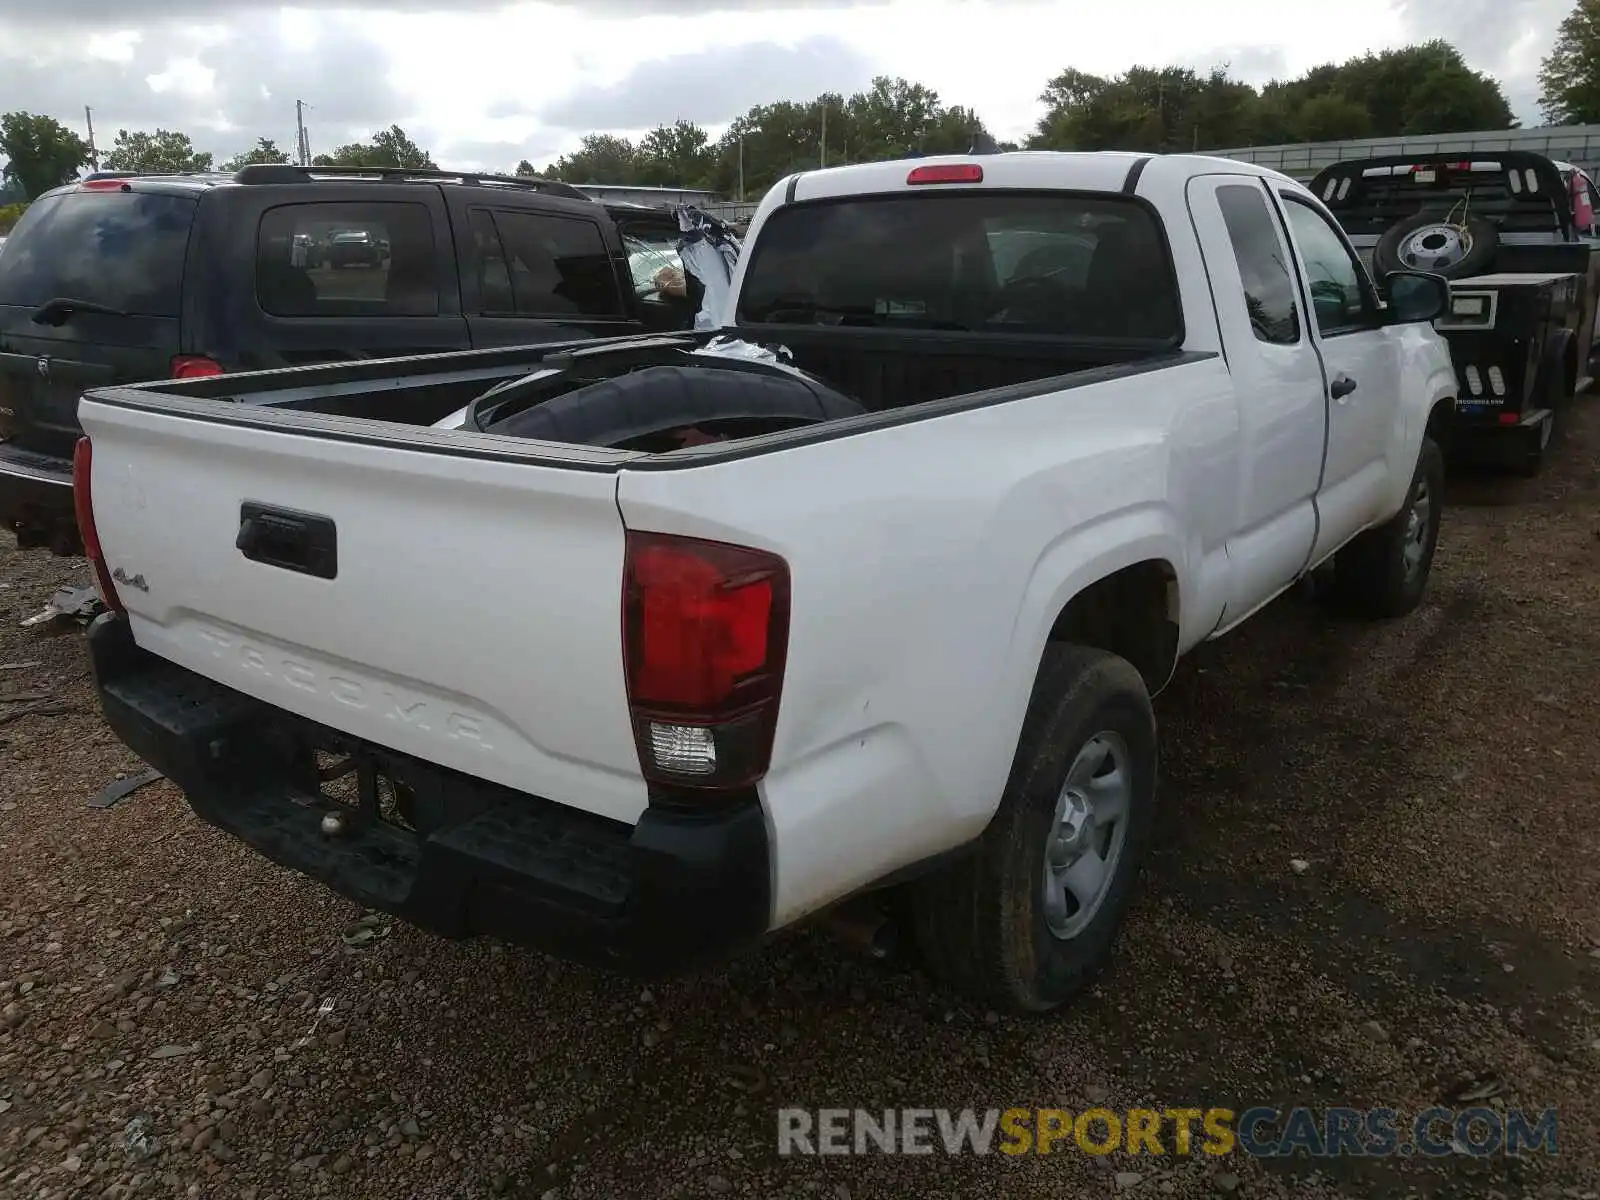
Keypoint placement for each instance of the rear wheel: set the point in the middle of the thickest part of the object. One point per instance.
(1384, 571)
(1031, 917)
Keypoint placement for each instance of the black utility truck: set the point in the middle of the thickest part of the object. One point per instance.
(1515, 233)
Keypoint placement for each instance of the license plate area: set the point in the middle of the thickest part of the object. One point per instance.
(355, 781)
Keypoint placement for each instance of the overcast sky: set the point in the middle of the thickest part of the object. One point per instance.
(485, 84)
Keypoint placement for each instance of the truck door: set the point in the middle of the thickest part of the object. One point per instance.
(1277, 379)
(1361, 361)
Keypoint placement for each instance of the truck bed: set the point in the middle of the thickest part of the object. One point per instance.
(884, 371)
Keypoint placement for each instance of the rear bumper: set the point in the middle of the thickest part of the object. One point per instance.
(36, 499)
(673, 891)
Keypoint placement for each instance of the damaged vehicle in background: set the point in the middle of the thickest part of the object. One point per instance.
(860, 596)
(123, 278)
(1516, 234)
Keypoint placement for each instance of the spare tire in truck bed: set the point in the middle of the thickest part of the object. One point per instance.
(1439, 243)
(656, 400)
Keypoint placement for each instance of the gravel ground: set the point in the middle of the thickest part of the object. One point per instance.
(1376, 881)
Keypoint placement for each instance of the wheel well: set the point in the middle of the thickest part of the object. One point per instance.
(1132, 613)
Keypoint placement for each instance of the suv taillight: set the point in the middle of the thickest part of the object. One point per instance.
(83, 503)
(705, 629)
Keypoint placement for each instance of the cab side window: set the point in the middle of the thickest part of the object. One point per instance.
(1263, 266)
(1341, 296)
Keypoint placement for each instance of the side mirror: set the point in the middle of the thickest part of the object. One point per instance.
(1415, 296)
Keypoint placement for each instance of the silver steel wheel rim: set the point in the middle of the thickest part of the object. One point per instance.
(1417, 517)
(1087, 834)
(1436, 246)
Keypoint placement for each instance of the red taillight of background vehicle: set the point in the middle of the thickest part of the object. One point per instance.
(946, 173)
(83, 504)
(104, 185)
(194, 366)
(705, 629)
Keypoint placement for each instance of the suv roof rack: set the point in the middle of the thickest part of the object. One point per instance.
(259, 173)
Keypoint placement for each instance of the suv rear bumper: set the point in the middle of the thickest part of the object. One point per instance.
(673, 891)
(36, 499)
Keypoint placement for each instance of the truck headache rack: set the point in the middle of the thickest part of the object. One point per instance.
(1520, 192)
(259, 173)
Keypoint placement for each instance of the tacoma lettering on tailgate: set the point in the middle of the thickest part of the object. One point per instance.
(412, 711)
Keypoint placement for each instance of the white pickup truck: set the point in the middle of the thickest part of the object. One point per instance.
(643, 703)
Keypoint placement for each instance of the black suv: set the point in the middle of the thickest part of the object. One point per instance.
(124, 278)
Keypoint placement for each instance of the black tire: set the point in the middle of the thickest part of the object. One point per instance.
(658, 399)
(983, 924)
(1374, 576)
(1478, 258)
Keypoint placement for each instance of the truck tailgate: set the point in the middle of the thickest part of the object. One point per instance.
(464, 610)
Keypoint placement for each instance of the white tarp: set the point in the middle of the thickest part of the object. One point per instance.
(710, 251)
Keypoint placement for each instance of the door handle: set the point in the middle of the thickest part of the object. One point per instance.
(1341, 386)
(293, 541)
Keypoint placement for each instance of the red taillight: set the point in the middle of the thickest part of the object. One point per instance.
(83, 505)
(946, 173)
(1510, 418)
(705, 628)
(194, 366)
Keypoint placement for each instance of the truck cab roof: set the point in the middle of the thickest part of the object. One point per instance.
(1108, 171)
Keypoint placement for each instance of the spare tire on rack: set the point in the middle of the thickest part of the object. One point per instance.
(661, 399)
(1436, 243)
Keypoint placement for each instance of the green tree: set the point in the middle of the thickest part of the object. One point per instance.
(892, 118)
(265, 151)
(1569, 79)
(41, 152)
(164, 152)
(1330, 117)
(1145, 108)
(676, 155)
(599, 158)
(1422, 89)
(388, 148)
(1415, 90)
(1454, 99)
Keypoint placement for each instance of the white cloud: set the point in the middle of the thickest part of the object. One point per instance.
(514, 80)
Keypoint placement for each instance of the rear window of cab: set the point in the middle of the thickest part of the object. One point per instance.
(993, 262)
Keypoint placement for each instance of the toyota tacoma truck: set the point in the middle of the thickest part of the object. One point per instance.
(981, 446)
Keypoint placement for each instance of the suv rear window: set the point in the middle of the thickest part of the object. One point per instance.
(124, 250)
(1063, 264)
(347, 260)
